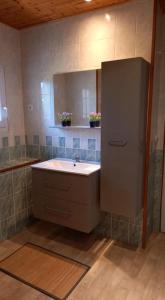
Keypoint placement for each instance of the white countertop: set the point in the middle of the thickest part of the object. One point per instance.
(68, 166)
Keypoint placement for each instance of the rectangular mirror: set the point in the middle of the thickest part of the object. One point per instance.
(78, 93)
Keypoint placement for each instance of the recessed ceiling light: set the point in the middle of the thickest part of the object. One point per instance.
(88, 0)
(108, 17)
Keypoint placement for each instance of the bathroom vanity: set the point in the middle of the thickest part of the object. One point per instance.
(66, 193)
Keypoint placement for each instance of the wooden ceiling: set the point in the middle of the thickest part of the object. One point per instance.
(24, 13)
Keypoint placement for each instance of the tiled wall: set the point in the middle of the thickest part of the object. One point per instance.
(157, 190)
(10, 60)
(15, 188)
(15, 201)
(15, 185)
(121, 229)
(86, 147)
(17, 151)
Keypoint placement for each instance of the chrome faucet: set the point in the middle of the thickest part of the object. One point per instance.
(77, 158)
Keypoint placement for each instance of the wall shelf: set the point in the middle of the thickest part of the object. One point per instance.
(73, 127)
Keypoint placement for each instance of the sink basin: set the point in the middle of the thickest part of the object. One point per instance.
(68, 167)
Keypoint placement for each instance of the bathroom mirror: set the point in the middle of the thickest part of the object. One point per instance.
(78, 93)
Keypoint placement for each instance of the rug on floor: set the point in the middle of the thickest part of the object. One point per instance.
(48, 272)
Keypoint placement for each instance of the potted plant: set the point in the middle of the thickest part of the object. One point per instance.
(94, 119)
(98, 120)
(69, 119)
(65, 118)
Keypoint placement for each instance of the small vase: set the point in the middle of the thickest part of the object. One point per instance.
(97, 123)
(92, 124)
(64, 123)
(68, 123)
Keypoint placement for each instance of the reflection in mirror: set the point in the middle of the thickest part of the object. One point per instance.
(77, 93)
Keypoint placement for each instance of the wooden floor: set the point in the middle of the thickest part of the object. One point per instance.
(75, 245)
(11, 289)
(117, 273)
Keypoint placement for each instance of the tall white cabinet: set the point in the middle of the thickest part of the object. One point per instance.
(124, 102)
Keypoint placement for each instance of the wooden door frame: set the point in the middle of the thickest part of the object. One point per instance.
(149, 126)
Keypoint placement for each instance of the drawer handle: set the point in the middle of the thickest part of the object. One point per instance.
(57, 210)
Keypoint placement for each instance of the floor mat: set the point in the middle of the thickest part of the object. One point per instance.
(48, 272)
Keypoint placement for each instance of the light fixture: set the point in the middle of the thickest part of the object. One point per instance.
(108, 17)
(88, 0)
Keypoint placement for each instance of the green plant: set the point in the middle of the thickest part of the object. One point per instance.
(65, 116)
(94, 117)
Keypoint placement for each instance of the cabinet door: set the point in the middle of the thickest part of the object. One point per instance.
(124, 101)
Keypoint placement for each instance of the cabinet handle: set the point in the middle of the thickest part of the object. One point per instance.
(57, 210)
(117, 143)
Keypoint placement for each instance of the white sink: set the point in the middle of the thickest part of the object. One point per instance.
(68, 167)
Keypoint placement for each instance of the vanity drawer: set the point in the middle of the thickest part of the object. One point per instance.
(62, 212)
(65, 186)
(80, 197)
(51, 180)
